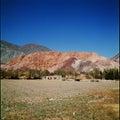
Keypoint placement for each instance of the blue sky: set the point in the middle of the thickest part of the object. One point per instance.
(63, 25)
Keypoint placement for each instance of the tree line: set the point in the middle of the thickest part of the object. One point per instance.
(27, 74)
(96, 73)
(108, 74)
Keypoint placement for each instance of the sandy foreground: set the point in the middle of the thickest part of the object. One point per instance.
(55, 88)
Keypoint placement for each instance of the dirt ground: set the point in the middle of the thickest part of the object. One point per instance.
(55, 88)
(59, 100)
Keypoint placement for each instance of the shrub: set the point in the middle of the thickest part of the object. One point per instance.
(111, 74)
(77, 79)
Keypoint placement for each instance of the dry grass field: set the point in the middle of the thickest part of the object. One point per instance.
(59, 100)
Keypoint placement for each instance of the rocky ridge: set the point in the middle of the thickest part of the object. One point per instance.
(78, 61)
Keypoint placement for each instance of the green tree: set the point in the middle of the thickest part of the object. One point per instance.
(14, 74)
(60, 72)
(45, 73)
(34, 74)
(111, 74)
(3, 73)
(96, 73)
(116, 74)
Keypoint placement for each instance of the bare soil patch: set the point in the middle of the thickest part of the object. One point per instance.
(55, 88)
(59, 100)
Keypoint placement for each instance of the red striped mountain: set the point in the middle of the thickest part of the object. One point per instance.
(79, 61)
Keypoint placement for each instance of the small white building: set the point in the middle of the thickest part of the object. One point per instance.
(53, 77)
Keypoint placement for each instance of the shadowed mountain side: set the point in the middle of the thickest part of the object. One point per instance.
(9, 50)
(31, 48)
(116, 57)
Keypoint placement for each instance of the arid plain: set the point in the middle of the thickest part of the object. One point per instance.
(59, 100)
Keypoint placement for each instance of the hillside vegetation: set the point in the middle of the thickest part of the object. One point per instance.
(108, 74)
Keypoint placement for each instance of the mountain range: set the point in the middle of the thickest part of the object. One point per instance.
(32, 56)
(51, 61)
(9, 50)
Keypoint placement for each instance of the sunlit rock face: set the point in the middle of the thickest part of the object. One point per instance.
(78, 61)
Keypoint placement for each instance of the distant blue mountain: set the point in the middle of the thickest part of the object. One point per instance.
(9, 50)
(116, 58)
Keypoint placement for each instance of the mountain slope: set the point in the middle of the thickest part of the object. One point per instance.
(78, 61)
(9, 50)
(116, 57)
(31, 48)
